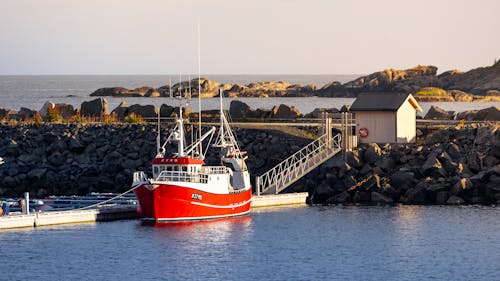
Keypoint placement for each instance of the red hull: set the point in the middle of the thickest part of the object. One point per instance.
(176, 203)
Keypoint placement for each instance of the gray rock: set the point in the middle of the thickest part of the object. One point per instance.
(95, 108)
(361, 197)
(403, 180)
(145, 111)
(386, 164)
(6, 113)
(287, 112)
(372, 153)
(342, 197)
(239, 109)
(323, 190)
(9, 182)
(352, 158)
(74, 145)
(455, 200)
(454, 151)
(56, 159)
(485, 134)
(380, 199)
(441, 197)
(415, 196)
(37, 173)
(488, 114)
(26, 159)
(436, 112)
(460, 186)
(12, 171)
(440, 136)
(120, 111)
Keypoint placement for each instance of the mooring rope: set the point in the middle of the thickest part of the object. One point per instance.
(106, 201)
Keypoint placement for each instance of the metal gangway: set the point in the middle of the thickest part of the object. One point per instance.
(307, 159)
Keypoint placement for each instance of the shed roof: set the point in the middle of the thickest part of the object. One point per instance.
(383, 102)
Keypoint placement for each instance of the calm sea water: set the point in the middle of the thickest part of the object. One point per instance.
(33, 91)
(299, 243)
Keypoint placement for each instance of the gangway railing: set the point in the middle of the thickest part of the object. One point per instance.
(299, 164)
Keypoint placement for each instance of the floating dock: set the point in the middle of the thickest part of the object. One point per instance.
(279, 199)
(67, 217)
(124, 212)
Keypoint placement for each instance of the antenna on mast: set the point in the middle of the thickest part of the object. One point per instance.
(170, 86)
(199, 91)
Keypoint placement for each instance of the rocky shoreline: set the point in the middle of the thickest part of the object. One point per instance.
(480, 84)
(97, 110)
(459, 165)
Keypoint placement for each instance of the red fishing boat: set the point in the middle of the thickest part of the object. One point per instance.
(183, 187)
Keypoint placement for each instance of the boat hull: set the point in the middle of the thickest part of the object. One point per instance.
(170, 203)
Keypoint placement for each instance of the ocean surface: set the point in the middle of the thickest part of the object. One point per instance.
(287, 243)
(32, 91)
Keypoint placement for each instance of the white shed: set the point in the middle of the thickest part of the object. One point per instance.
(386, 117)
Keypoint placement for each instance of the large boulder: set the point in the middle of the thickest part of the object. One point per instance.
(94, 108)
(438, 113)
(145, 111)
(24, 114)
(167, 110)
(287, 112)
(372, 153)
(120, 111)
(378, 198)
(239, 109)
(321, 112)
(48, 105)
(5, 113)
(112, 92)
(65, 110)
(488, 114)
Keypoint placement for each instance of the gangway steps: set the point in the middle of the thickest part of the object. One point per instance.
(299, 164)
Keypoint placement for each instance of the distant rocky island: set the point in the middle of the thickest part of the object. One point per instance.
(480, 84)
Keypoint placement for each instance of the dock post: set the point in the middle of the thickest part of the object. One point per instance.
(26, 205)
(257, 185)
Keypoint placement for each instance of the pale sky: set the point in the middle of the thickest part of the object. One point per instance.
(245, 37)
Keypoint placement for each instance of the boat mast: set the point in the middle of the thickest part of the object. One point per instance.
(222, 140)
(200, 148)
(180, 123)
(158, 137)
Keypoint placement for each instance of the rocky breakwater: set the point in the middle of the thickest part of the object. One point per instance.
(487, 114)
(480, 84)
(209, 89)
(458, 165)
(75, 159)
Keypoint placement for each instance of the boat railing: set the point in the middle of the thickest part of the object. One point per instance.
(214, 170)
(182, 177)
(139, 177)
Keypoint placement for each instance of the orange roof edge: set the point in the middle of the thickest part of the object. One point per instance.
(414, 103)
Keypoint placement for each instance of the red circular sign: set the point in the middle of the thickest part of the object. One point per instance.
(363, 132)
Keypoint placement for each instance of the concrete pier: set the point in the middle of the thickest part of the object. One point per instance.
(124, 212)
(68, 217)
(279, 199)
